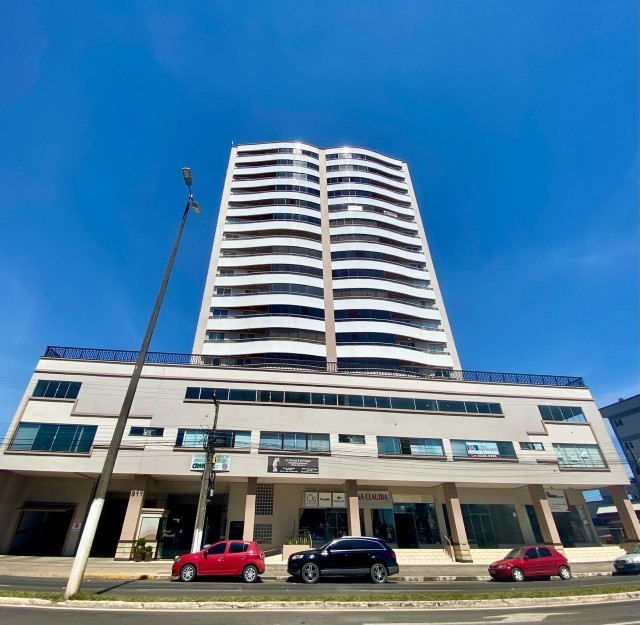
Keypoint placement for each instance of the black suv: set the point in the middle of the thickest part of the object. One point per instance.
(350, 555)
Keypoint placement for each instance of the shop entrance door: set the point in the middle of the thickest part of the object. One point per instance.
(482, 530)
(42, 532)
(406, 534)
(336, 523)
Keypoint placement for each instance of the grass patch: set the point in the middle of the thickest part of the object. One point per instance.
(354, 597)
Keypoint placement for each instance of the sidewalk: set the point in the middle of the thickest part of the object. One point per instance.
(36, 566)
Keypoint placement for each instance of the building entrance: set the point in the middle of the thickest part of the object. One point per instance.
(324, 524)
(42, 530)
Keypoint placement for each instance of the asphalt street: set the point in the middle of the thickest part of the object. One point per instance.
(216, 587)
(610, 613)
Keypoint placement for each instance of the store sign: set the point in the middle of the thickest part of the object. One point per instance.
(221, 465)
(323, 500)
(482, 450)
(557, 501)
(338, 500)
(375, 499)
(292, 464)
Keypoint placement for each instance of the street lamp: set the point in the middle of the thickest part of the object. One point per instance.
(91, 524)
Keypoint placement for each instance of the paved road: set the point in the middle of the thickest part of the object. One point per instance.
(216, 587)
(613, 613)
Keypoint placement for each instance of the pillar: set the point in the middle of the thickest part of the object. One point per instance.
(250, 509)
(626, 511)
(525, 524)
(461, 549)
(545, 517)
(353, 508)
(131, 518)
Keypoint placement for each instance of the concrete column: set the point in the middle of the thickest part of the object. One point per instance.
(250, 509)
(131, 518)
(353, 508)
(626, 512)
(461, 548)
(545, 517)
(12, 495)
(368, 522)
(84, 492)
(525, 524)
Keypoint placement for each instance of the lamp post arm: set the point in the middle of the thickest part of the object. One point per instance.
(91, 524)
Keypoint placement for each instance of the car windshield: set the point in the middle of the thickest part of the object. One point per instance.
(326, 545)
(635, 548)
(514, 553)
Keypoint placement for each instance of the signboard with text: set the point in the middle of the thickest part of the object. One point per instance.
(375, 499)
(557, 500)
(292, 464)
(482, 450)
(221, 465)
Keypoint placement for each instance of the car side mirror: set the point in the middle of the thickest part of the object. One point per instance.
(204, 553)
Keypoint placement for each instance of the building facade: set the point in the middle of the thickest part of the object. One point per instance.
(343, 407)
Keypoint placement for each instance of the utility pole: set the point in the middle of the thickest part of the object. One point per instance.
(206, 486)
(93, 517)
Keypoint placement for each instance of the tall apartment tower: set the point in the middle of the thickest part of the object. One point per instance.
(320, 257)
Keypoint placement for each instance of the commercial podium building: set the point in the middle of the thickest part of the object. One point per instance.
(343, 404)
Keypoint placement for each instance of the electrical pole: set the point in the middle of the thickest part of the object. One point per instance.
(205, 488)
(93, 517)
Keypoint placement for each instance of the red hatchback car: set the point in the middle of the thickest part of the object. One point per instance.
(536, 561)
(225, 558)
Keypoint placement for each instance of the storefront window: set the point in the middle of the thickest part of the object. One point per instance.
(492, 525)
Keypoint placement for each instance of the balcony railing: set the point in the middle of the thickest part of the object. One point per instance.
(203, 360)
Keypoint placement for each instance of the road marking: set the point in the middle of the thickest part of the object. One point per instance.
(526, 617)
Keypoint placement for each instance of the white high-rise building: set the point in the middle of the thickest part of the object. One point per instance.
(324, 341)
(320, 256)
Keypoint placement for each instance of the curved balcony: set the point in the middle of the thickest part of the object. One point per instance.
(263, 321)
(358, 155)
(368, 192)
(299, 167)
(271, 146)
(254, 242)
(264, 299)
(390, 250)
(262, 346)
(400, 270)
(274, 224)
(240, 280)
(369, 170)
(396, 352)
(268, 259)
(389, 326)
(275, 160)
(385, 304)
(383, 285)
(248, 185)
(270, 209)
(272, 195)
(413, 241)
(369, 211)
(409, 227)
(367, 179)
(388, 206)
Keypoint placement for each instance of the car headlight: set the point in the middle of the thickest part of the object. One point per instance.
(501, 566)
(298, 557)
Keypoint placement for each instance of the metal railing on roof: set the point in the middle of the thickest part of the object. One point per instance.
(301, 364)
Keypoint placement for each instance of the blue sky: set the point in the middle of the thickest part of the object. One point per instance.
(518, 121)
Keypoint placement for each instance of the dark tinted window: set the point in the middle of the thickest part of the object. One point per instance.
(366, 544)
(451, 406)
(218, 548)
(357, 439)
(341, 545)
(56, 389)
(531, 553)
(238, 547)
(238, 394)
(425, 404)
(544, 552)
(295, 397)
(403, 403)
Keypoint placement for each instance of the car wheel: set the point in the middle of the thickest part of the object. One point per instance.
(310, 573)
(517, 575)
(378, 573)
(564, 572)
(188, 573)
(250, 574)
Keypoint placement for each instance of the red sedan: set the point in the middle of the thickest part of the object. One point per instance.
(538, 561)
(225, 558)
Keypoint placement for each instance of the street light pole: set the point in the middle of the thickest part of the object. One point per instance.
(208, 472)
(91, 524)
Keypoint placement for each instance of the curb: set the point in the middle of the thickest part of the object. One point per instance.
(316, 605)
